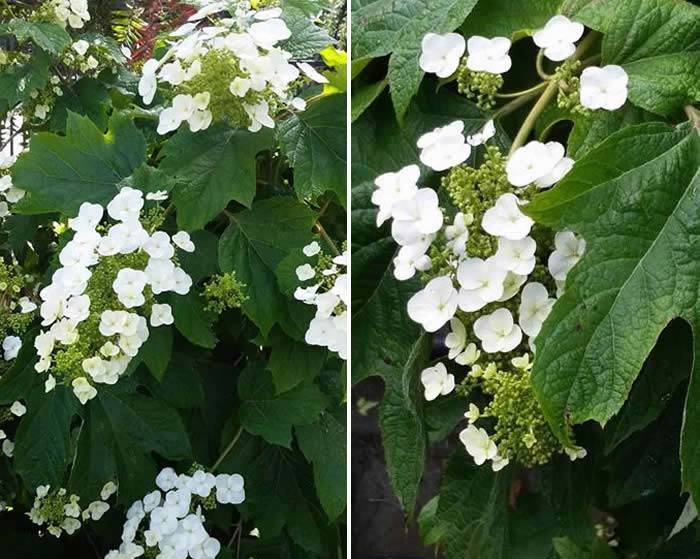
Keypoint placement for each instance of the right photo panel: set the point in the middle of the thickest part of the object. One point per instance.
(525, 279)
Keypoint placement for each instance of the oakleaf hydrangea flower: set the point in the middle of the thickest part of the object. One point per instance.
(498, 332)
(444, 147)
(604, 88)
(534, 161)
(569, 250)
(488, 55)
(71, 12)
(393, 188)
(170, 522)
(481, 283)
(558, 37)
(60, 512)
(436, 381)
(440, 54)
(482, 136)
(11, 346)
(478, 444)
(516, 256)
(505, 219)
(535, 306)
(97, 307)
(232, 71)
(329, 294)
(434, 305)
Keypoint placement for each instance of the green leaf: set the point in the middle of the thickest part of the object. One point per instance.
(181, 383)
(658, 44)
(149, 179)
(43, 446)
(60, 173)
(87, 97)
(17, 82)
(255, 243)
(268, 414)
(667, 366)
(212, 167)
(294, 362)
(50, 37)
(203, 262)
(401, 423)
(397, 29)
(308, 39)
(157, 350)
(323, 444)
(314, 141)
(472, 511)
(633, 200)
(193, 320)
(364, 96)
(280, 494)
(509, 18)
(121, 431)
(20, 379)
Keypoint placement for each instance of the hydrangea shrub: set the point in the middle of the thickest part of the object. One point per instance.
(163, 393)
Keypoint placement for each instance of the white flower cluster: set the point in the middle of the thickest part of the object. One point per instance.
(71, 12)
(417, 220)
(261, 73)
(171, 520)
(121, 329)
(415, 211)
(329, 294)
(61, 512)
(600, 88)
(9, 194)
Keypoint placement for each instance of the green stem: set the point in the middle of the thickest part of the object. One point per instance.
(539, 65)
(513, 105)
(227, 450)
(533, 89)
(693, 116)
(531, 119)
(326, 237)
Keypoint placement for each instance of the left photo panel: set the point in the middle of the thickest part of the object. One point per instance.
(173, 279)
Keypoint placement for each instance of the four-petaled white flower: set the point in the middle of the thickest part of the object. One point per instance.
(440, 54)
(505, 219)
(516, 256)
(498, 332)
(11, 346)
(393, 188)
(434, 305)
(488, 55)
(416, 217)
(534, 161)
(604, 88)
(444, 147)
(535, 306)
(436, 381)
(481, 282)
(569, 249)
(457, 234)
(161, 314)
(557, 37)
(478, 444)
(483, 135)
